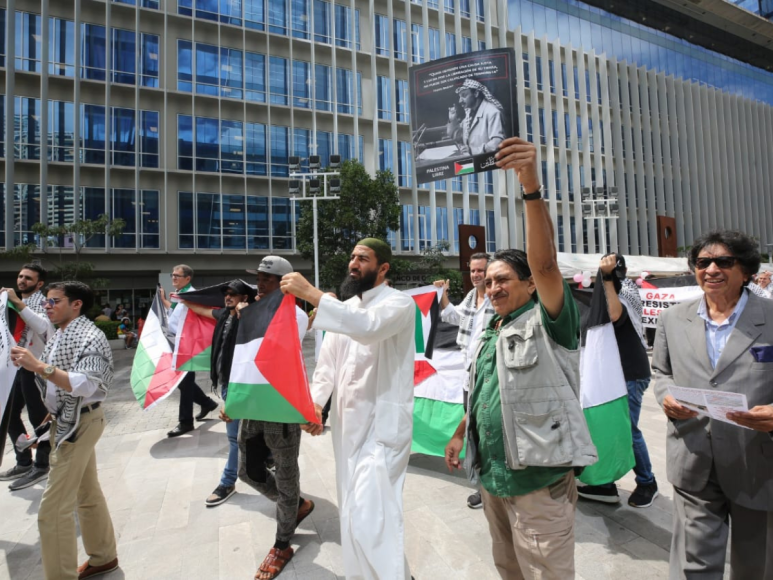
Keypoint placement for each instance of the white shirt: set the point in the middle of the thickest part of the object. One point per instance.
(40, 329)
(453, 315)
(366, 362)
(81, 385)
(176, 314)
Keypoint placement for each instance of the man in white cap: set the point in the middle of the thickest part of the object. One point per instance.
(259, 439)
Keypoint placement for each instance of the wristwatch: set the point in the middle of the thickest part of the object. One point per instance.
(607, 277)
(532, 196)
(48, 371)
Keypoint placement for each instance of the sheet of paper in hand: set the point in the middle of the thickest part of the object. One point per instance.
(714, 404)
(462, 108)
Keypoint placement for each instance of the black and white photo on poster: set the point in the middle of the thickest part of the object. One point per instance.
(462, 108)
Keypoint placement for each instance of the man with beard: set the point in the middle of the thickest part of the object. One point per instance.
(366, 362)
(36, 331)
(190, 392)
(260, 439)
(471, 316)
(223, 344)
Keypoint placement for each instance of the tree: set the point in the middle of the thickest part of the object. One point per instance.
(53, 243)
(433, 267)
(368, 207)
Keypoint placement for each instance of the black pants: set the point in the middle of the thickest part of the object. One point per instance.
(26, 392)
(191, 393)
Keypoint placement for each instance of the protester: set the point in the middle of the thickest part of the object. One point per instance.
(366, 362)
(190, 392)
(259, 439)
(636, 370)
(74, 374)
(37, 330)
(472, 317)
(525, 428)
(761, 285)
(223, 344)
(721, 472)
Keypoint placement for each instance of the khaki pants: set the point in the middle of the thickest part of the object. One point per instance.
(533, 534)
(73, 483)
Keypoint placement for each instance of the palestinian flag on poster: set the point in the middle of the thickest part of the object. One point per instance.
(439, 399)
(15, 322)
(604, 395)
(7, 369)
(193, 342)
(268, 379)
(464, 166)
(427, 300)
(153, 378)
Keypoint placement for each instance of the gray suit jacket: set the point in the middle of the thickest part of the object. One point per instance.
(743, 458)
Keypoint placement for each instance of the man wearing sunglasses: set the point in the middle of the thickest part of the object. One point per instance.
(721, 472)
(190, 392)
(73, 374)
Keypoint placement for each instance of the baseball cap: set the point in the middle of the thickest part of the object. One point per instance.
(241, 287)
(275, 265)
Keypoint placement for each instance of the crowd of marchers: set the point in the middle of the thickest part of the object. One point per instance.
(524, 430)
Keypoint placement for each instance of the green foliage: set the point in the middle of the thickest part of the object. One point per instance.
(433, 266)
(51, 243)
(368, 207)
(109, 328)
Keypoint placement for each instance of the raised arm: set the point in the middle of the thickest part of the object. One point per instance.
(515, 153)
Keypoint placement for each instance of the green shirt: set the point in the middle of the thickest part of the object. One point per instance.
(486, 406)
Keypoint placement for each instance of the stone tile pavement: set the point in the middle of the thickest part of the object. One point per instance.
(156, 488)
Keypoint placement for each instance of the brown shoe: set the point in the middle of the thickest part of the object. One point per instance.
(304, 511)
(86, 570)
(274, 563)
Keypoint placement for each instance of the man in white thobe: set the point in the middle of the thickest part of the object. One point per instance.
(366, 362)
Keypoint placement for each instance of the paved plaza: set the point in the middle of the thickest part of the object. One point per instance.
(156, 487)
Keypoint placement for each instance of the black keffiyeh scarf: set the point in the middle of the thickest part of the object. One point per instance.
(469, 307)
(81, 348)
(35, 303)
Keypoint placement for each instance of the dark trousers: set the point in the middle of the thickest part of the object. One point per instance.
(191, 393)
(26, 393)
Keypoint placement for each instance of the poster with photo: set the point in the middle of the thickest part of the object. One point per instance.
(462, 108)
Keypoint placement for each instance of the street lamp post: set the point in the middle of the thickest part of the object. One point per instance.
(600, 203)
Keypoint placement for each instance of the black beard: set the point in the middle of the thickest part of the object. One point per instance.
(353, 287)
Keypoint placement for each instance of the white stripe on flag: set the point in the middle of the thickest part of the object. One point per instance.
(243, 368)
(601, 374)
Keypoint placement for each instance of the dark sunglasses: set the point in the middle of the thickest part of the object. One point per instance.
(722, 262)
(232, 294)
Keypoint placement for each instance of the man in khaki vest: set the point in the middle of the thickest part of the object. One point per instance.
(525, 428)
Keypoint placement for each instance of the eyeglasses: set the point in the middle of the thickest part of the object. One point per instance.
(51, 302)
(722, 262)
(178, 276)
(232, 294)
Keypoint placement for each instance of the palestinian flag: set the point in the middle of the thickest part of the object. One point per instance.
(604, 395)
(15, 322)
(7, 369)
(427, 300)
(439, 399)
(268, 379)
(153, 378)
(193, 342)
(464, 166)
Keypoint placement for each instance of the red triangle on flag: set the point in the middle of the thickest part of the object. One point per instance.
(425, 301)
(457, 167)
(163, 380)
(422, 370)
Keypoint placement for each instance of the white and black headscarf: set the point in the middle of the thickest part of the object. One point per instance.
(81, 348)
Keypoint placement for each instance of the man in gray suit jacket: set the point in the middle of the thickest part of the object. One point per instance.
(722, 473)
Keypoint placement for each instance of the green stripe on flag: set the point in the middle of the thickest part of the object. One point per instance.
(143, 368)
(434, 423)
(610, 428)
(419, 330)
(200, 362)
(260, 403)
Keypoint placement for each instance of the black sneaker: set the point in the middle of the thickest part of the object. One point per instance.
(643, 495)
(207, 410)
(15, 472)
(220, 495)
(474, 501)
(601, 493)
(30, 478)
(181, 429)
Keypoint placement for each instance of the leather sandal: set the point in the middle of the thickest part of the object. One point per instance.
(304, 511)
(274, 563)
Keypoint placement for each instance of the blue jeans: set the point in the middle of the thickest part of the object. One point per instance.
(643, 467)
(231, 470)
